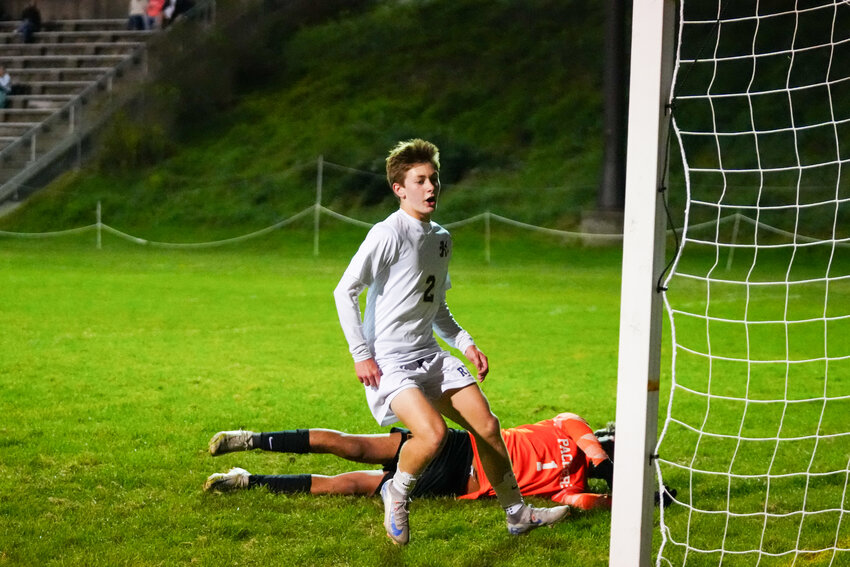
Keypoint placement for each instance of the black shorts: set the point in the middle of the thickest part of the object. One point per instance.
(447, 474)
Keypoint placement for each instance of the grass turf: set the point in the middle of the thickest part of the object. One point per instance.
(119, 364)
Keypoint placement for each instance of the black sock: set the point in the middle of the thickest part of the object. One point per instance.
(290, 441)
(282, 482)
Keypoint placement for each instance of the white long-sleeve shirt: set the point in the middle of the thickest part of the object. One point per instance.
(404, 264)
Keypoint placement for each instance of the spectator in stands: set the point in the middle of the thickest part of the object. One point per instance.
(5, 85)
(155, 15)
(138, 15)
(30, 22)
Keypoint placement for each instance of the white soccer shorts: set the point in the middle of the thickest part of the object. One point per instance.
(434, 375)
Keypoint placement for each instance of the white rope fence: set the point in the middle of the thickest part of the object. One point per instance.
(316, 210)
(312, 211)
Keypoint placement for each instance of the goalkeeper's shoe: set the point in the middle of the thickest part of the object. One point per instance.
(230, 441)
(233, 479)
(395, 514)
(530, 517)
(609, 429)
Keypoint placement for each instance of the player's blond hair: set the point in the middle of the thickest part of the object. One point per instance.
(407, 154)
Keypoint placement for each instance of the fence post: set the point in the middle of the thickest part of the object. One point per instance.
(318, 206)
(487, 236)
(99, 225)
(734, 240)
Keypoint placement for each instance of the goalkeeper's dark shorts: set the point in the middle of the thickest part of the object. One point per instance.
(446, 475)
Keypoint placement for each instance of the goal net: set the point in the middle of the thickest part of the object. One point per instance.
(756, 436)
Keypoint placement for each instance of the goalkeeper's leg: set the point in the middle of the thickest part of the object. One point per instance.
(356, 483)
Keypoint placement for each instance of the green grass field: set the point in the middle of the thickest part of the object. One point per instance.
(118, 364)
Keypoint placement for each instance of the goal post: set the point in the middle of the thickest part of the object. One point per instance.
(652, 53)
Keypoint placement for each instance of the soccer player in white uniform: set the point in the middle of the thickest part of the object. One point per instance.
(407, 376)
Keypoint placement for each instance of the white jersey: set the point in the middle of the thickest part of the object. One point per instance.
(404, 263)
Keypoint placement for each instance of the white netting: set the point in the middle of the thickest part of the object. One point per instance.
(756, 438)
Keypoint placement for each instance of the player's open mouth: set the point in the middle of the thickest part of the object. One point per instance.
(431, 200)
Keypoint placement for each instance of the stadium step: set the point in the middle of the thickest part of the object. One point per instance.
(59, 74)
(37, 101)
(115, 24)
(16, 63)
(57, 87)
(81, 48)
(82, 36)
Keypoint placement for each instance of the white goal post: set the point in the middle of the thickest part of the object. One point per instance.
(640, 304)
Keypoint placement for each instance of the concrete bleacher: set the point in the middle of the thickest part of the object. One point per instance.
(71, 66)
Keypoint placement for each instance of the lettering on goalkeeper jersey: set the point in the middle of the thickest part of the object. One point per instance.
(566, 461)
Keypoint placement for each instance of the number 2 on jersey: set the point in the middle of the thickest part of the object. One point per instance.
(428, 296)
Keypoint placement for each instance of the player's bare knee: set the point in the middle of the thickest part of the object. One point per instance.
(490, 429)
(352, 446)
(432, 438)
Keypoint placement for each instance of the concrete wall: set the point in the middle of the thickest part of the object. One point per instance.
(68, 9)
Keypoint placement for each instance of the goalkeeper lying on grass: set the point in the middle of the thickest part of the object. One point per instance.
(552, 458)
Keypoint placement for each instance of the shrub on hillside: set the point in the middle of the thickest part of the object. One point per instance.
(129, 143)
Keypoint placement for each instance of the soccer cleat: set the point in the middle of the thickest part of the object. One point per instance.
(230, 441)
(395, 514)
(609, 429)
(530, 517)
(233, 479)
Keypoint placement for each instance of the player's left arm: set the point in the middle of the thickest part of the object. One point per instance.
(583, 500)
(599, 462)
(449, 330)
(578, 429)
(479, 359)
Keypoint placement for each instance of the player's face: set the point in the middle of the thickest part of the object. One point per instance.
(419, 191)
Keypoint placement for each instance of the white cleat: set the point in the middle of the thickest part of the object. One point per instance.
(231, 441)
(233, 479)
(530, 517)
(395, 514)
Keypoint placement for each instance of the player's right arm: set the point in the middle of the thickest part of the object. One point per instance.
(348, 308)
(374, 255)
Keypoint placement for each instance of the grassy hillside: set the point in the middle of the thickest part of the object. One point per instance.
(228, 136)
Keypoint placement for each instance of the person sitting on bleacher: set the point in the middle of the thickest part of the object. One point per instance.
(30, 22)
(5, 85)
(138, 16)
(155, 15)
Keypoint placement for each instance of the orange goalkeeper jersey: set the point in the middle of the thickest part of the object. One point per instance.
(550, 458)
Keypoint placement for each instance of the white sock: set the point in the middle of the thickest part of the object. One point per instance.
(508, 494)
(404, 482)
